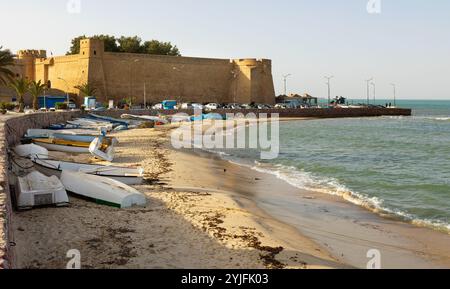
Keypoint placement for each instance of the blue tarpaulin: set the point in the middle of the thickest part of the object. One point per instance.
(50, 101)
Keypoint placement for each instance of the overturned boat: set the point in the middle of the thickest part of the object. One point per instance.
(102, 190)
(47, 133)
(31, 151)
(128, 176)
(36, 189)
(155, 119)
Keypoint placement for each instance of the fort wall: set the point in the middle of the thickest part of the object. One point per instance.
(150, 78)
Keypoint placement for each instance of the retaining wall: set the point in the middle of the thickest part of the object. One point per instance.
(12, 129)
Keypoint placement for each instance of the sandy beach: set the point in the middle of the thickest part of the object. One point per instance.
(205, 212)
(190, 227)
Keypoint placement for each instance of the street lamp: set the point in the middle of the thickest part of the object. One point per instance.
(67, 92)
(368, 90)
(374, 93)
(328, 78)
(395, 94)
(131, 82)
(285, 77)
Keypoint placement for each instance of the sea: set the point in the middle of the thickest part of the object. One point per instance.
(396, 166)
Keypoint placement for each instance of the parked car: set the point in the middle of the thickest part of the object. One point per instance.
(72, 105)
(247, 106)
(212, 106)
(169, 104)
(281, 106)
(198, 106)
(158, 106)
(187, 105)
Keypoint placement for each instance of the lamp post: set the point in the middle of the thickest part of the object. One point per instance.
(395, 94)
(67, 91)
(374, 93)
(368, 90)
(328, 78)
(131, 82)
(285, 77)
(45, 92)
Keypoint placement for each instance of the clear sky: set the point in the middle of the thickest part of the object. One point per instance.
(408, 43)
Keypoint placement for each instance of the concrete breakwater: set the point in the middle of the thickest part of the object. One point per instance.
(12, 130)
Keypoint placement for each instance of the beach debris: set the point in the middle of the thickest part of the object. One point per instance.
(36, 189)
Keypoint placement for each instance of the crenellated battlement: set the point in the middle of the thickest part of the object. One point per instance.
(31, 53)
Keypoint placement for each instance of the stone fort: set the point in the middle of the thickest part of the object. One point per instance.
(155, 78)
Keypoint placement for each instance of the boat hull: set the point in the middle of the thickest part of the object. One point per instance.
(128, 176)
(62, 148)
(36, 190)
(102, 190)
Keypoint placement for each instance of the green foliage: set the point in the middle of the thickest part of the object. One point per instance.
(125, 44)
(86, 89)
(61, 106)
(20, 86)
(36, 89)
(130, 44)
(7, 106)
(6, 61)
(161, 48)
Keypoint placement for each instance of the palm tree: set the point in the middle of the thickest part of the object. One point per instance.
(20, 86)
(36, 89)
(86, 89)
(6, 60)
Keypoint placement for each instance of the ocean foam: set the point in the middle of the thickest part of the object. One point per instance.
(307, 181)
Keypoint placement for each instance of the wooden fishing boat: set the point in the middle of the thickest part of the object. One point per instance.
(102, 190)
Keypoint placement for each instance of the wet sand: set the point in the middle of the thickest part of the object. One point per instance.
(347, 231)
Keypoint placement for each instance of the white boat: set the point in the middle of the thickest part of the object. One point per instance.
(144, 117)
(91, 124)
(35, 190)
(128, 176)
(63, 146)
(103, 151)
(47, 133)
(102, 190)
(31, 151)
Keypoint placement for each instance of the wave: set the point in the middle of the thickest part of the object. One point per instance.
(308, 181)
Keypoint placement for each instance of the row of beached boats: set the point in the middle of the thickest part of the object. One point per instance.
(48, 180)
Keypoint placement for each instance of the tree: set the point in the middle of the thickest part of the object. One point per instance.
(6, 61)
(36, 89)
(20, 86)
(86, 89)
(130, 44)
(110, 43)
(161, 48)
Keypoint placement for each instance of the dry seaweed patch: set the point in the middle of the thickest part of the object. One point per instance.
(214, 222)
